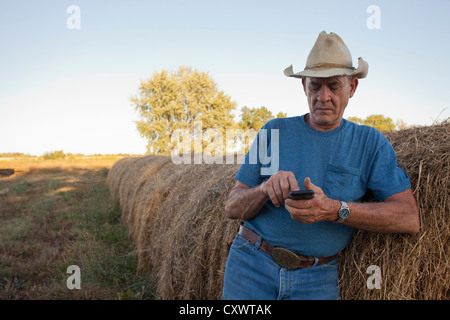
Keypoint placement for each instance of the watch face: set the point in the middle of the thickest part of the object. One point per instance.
(343, 213)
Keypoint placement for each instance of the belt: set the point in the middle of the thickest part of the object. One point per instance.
(283, 257)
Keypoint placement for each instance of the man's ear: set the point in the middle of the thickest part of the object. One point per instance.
(353, 85)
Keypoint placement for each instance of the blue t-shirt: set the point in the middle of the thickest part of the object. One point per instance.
(345, 162)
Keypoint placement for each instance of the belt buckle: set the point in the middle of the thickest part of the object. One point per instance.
(286, 258)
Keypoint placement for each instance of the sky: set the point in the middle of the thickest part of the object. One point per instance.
(66, 77)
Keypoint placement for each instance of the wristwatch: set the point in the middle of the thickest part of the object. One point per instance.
(343, 212)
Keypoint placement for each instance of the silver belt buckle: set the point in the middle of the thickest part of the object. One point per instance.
(285, 258)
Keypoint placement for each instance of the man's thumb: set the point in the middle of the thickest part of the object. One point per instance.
(308, 184)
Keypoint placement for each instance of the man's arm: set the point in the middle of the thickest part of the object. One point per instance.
(245, 202)
(396, 214)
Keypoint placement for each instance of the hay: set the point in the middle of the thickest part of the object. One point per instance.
(6, 172)
(175, 216)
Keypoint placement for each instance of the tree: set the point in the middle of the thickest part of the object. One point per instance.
(178, 100)
(376, 121)
(281, 115)
(356, 120)
(255, 118)
(252, 120)
(55, 155)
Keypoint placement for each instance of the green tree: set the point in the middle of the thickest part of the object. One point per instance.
(281, 115)
(55, 155)
(376, 121)
(175, 100)
(255, 118)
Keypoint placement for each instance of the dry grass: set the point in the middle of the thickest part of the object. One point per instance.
(175, 215)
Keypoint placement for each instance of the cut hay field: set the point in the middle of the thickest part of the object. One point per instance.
(56, 213)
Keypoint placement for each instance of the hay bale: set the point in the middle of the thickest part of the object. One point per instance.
(175, 216)
(6, 172)
(115, 174)
(190, 234)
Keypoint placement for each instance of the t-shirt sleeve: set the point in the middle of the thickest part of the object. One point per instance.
(259, 163)
(249, 171)
(387, 177)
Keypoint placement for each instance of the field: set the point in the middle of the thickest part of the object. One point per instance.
(57, 213)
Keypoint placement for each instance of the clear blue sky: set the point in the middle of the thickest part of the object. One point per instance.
(69, 89)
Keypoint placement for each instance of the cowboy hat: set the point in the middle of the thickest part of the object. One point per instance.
(328, 58)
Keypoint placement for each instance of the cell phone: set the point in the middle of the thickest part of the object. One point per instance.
(301, 194)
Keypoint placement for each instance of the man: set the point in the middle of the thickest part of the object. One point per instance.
(286, 249)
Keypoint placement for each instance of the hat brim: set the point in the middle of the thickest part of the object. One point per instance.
(360, 72)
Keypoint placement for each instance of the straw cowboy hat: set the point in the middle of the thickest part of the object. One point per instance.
(328, 58)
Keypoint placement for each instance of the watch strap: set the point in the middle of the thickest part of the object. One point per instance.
(344, 206)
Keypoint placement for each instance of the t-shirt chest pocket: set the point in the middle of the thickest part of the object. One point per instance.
(343, 183)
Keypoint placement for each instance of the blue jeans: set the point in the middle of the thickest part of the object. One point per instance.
(251, 274)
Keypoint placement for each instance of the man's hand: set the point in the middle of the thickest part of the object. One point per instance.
(319, 208)
(279, 185)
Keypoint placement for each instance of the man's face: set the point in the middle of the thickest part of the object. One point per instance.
(327, 99)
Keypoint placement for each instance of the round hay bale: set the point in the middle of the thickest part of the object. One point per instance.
(115, 175)
(174, 214)
(6, 172)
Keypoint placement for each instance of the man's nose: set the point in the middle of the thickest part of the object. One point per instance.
(324, 94)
